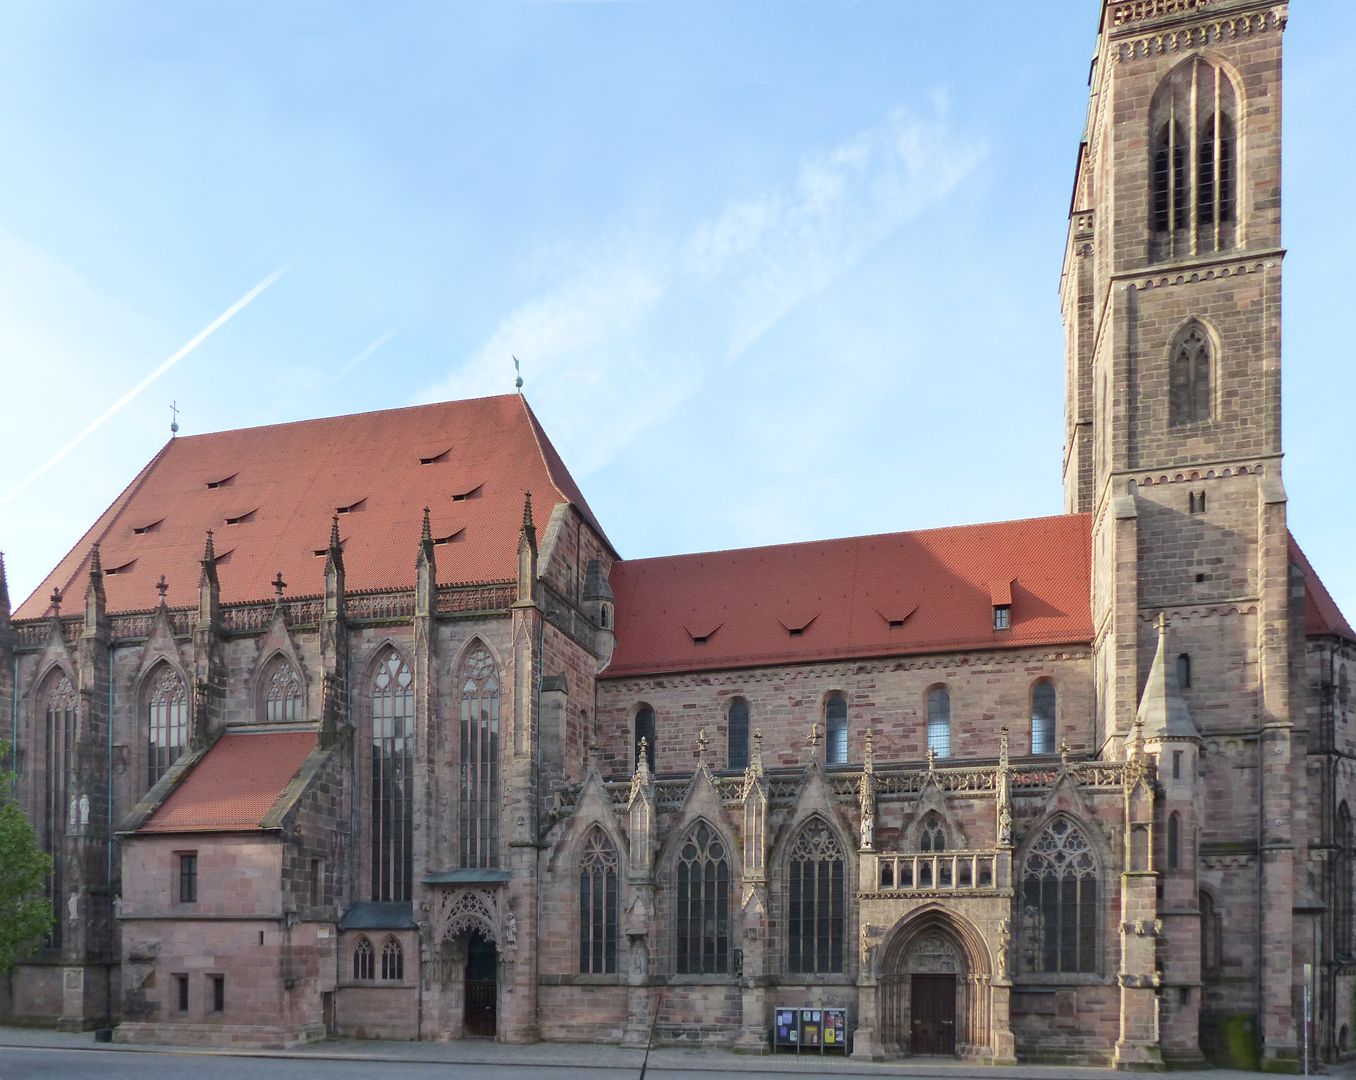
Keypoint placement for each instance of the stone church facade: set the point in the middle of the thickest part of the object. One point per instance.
(362, 726)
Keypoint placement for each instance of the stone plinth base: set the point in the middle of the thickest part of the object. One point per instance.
(1137, 1055)
(250, 1036)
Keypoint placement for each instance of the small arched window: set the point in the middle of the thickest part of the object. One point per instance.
(1184, 671)
(392, 960)
(479, 768)
(939, 721)
(737, 742)
(1059, 901)
(703, 901)
(1191, 377)
(815, 902)
(597, 905)
(1174, 840)
(1043, 717)
(364, 960)
(644, 734)
(835, 729)
(167, 723)
(282, 693)
(932, 834)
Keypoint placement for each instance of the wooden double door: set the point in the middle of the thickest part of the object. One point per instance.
(932, 1014)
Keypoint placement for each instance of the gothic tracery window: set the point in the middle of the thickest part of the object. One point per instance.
(597, 905)
(479, 761)
(364, 960)
(1192, 363)
(703, 899)
(835, 729)
(932, 833)
(60, 715)
(815, 909)
(391, 806)
(1059, 901)
(392, 960)
(1043, 717)
(282, 693)
(939, 721)
(737, 743)
(167, 727)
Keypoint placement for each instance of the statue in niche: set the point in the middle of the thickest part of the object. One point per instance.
(84, 811)
(73, 818)
(511, 933)
(1004, 943)
(73, 908)
(1004, 825)
(639, 961)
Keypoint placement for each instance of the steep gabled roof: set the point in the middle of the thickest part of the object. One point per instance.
(269, 494)
(898, 593)
(1322, 616)
(235, 785)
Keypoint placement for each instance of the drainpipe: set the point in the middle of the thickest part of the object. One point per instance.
(536, 835)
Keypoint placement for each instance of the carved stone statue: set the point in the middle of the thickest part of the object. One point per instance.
(1004, 826)
(511, 932)
(868, 824)
(84, 811)
(73, 908)
(1004, 944)
(639, 961)
(73, 818)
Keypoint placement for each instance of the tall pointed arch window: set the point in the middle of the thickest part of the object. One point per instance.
(597, 905)
(1342, 883)
(391, 806)
(815, 902)
(737, 743)
(703, 901)
(644, 732)
(167, 723)
(59, 725)
(1043, 717)
(835, 729)
(939, 721)
(479, 760)
(364, 960)
(392, 960)
(1193, 165)
(1192, 377)
(282, 693)
(1059, 901)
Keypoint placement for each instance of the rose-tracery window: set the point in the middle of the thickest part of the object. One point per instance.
(815, 906)
(479, 761)
(392, 960)
(392, 776)
(60, 724)
(1059, 901)
(364, 960)
(1192, 361)
(932, 835)
(597, 905)
(282, 694)
(703, 904)
(167, 716)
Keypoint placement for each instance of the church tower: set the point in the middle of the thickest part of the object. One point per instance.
(1171, 300)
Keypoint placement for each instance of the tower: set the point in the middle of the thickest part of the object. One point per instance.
(1171, 300)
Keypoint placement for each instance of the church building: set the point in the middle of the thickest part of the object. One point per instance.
(362, 726)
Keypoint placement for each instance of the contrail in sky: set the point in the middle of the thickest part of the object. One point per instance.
(197, 339)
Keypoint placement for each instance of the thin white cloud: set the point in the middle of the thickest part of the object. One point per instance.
(637, 324)
(367, 352)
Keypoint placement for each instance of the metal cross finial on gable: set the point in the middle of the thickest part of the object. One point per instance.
(279, 585)
(56, 602)
(162, 587)
(518, 375)
(174, 418)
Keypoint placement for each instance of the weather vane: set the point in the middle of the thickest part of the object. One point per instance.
(518, 381)
(174, 418)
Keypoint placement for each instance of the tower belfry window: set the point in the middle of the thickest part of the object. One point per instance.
(1191, 395)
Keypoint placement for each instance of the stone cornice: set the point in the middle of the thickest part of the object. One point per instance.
(1173, 39)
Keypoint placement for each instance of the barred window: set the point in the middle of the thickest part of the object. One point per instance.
(479, 761)
(939, 721)
(737, 750)
(932, 835)
(835, 729)
(392, 960)
(1043, 717)
(1059, 901)
(1169, 198)
(282, 693)
(392, 767)
(645, 731)
(597, 905)
(167, 728)
(703, 904)
(364, 960)
(1192, 360)
(60, 728)
(815, 913)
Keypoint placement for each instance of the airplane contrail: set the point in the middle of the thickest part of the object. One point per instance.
(197, 339)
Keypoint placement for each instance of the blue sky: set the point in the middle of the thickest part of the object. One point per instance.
(774, 271)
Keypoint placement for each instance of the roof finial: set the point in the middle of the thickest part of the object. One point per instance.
(527, 512)
(702, 743)
(96, 565)
(162, 587)
(279, 585)
(334, 532)
(56, 603)
(869, 761)
(518, 380)
(174, 418)
(1162, 623)
(427, 534)
(209, 553)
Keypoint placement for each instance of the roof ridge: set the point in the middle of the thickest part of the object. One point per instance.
(543, 441)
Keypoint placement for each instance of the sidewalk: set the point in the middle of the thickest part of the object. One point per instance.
(600, 1056)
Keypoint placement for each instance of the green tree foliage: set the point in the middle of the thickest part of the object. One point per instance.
(25, 914)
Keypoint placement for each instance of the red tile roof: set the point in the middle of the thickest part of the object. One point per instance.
(928, 591)
(283, 483)
(1322, 616)
(235, 784)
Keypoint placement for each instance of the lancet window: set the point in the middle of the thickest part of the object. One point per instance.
(939, 721)
(392, 774)
(737, 755)
(479, 761)
(364, 960)
(932, 834)
(835, 729)
(1059, 901)
(167, 723)
(1342, 883)
(644, 730)
(815, 902)
(59, 808)
(597, 905)
(1043, 717)
(282, 693)
(703, 900)
(1192, 377)
(392, 960)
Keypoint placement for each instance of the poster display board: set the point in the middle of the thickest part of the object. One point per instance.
(812, 1031)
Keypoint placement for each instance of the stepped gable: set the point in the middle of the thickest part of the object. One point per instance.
(235, 785)
(270, 493)
(893, 594)
(1322, 616)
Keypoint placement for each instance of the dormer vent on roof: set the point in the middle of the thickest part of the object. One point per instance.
(450, 538)
(221, 556)
(1000, 594)
(242, 518)
(221, 482)
(350, 508)
(701, 629)
(122, 568)
(795, 623)
(895, 615)
(437, 457)
(320, 553)
(469, 493)
(150, 526)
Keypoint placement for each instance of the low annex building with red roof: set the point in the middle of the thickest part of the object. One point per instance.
(361, 725)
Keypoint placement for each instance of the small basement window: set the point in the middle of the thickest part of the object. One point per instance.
(1002, 616)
